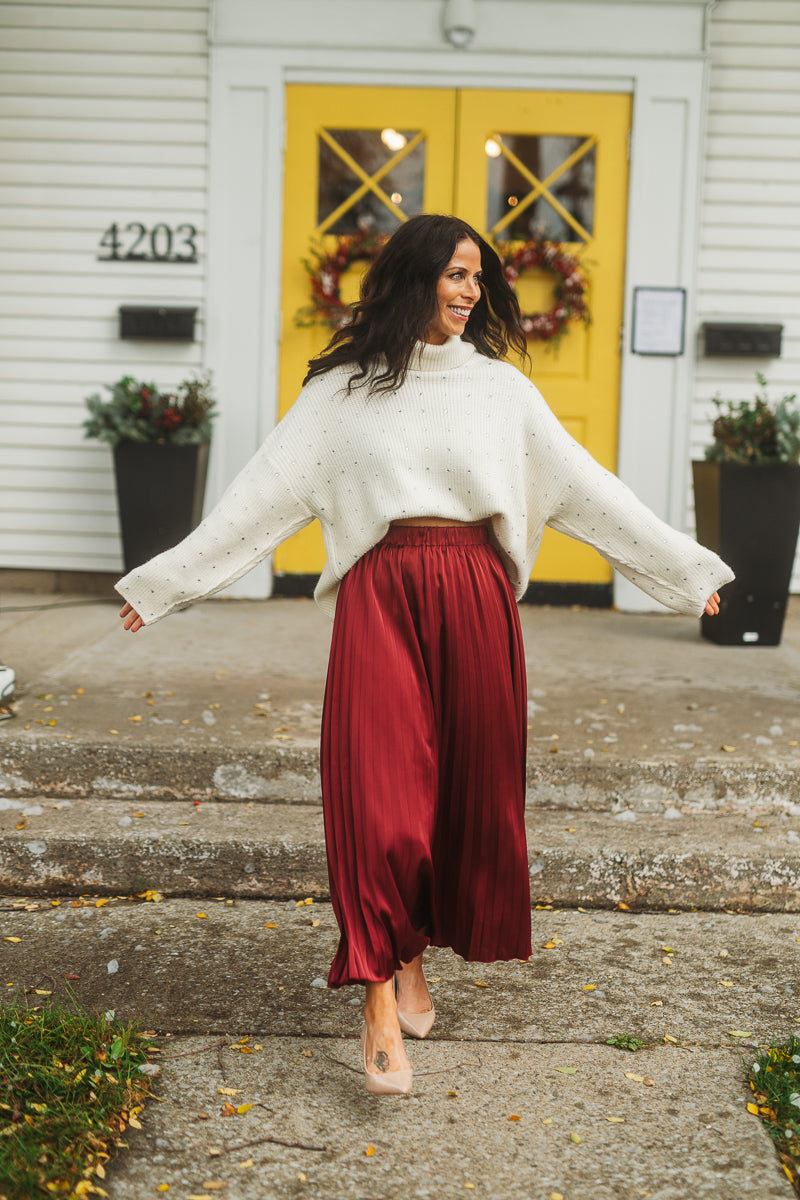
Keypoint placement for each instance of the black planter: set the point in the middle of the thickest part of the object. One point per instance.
(160, 490)
(749, 515)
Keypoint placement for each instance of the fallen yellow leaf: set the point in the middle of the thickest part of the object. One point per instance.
(589, 987)
(479, 984)
(616, 1120)
(573, 1137)
(248, 1162)
(243, 1108)
(514, 1118)
(649, 1082)
(229, 1091)
(201, 915)
(370, 1151)
(728, 749)
(740, 1033)
(753, 1108)
(725, 982)
(624, 906)
(12, 939)
(635, 1078)
(547, 1120)
(567, 1070)
(163, 1187)
(556, 1196)
(269, 925)
(669, 1038)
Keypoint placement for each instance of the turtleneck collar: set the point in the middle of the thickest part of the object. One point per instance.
(451, 354)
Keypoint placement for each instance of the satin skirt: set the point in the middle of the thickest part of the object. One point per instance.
(423, 756)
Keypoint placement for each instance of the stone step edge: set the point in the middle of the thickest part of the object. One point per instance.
(597, 860)
(291, 775)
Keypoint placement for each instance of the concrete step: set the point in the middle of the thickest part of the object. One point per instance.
(288, 772)
(264, 964)
(251, 849)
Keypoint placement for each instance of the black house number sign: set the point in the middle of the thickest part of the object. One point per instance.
(134, 242)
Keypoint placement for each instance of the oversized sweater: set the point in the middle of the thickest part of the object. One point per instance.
(465, 437)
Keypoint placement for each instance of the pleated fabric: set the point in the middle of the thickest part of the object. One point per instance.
(423, 756)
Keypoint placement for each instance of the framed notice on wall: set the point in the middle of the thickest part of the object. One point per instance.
(659, 318)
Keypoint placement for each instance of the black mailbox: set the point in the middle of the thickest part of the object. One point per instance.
(156, 323)
(734, 339)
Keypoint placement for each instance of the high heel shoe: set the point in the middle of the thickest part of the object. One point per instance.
(416, 1025)
(390, 1083)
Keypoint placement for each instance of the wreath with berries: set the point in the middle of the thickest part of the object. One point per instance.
(570, 290)
(325, 269)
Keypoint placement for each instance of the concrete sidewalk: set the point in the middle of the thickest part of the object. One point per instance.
(182, 763)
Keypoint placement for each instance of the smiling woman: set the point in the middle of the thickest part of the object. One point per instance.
(457, 293)
(435, 278)
(409, 419)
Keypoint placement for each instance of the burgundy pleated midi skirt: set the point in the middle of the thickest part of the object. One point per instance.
(423, 756)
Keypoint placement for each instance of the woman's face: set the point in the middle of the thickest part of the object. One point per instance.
(457, 293)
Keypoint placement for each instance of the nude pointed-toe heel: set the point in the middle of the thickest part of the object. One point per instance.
(416, 1025)
(392, 1083)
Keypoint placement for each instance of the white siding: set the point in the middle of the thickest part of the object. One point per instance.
(103, 118)
(749, 263)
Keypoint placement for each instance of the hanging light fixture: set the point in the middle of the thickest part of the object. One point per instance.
(458, 22)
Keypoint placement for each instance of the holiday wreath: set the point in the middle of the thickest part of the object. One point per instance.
(570, 290)
(325, 270)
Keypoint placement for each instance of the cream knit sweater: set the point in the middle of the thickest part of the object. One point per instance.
(466, 438)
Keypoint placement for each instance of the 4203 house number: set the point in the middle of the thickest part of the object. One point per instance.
(134, 242)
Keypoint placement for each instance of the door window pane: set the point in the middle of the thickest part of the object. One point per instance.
(509, 185)
(400, 188)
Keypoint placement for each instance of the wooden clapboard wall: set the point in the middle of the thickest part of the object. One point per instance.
(103, 118)
(749, 266)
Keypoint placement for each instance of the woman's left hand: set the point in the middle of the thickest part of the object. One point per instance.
(712, 605)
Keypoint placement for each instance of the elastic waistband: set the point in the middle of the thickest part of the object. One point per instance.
(436, 535)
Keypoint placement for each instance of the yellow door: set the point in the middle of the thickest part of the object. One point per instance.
(509, 163)
(557, 162)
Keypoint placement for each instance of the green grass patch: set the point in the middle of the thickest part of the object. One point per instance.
(774, 1078)
(70, 1085)
(626, 1041)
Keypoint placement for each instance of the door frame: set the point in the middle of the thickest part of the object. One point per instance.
(245, 222)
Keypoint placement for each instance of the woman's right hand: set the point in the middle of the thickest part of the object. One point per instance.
(134, 621)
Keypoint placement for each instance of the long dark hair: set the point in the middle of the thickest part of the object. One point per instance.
(398, 303)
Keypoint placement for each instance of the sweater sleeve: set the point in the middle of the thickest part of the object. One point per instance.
(258, 511)
(594, 506)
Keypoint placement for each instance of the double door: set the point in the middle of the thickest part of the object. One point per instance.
(507, 162)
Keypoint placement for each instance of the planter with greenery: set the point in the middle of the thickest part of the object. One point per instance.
(747, 509)
(160, 442)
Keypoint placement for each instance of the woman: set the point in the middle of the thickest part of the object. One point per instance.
(433, 467)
